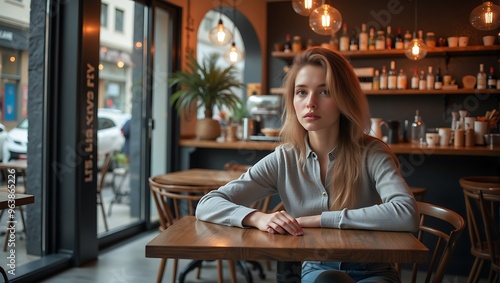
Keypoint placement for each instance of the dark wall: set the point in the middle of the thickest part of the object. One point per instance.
(444, 17)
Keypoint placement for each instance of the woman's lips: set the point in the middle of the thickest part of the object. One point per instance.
(311, 116)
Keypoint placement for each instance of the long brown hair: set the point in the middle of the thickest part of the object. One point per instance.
(345, 89)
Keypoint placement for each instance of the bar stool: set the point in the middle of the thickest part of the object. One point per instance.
(482, 201)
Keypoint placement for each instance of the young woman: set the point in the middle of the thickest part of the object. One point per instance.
(329, 173)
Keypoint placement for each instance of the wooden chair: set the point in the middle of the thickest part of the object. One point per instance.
(19, 190)
(482, 202)
(100, 185)
(173, 202)
(440, 229)
(418, 192)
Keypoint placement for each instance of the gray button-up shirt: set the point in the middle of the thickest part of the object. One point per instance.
(385, 201)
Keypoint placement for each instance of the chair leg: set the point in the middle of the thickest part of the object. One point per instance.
(219, 271)
(232, 271)
(174, 270)
(161, 270)
(475, 271)
(101, 203)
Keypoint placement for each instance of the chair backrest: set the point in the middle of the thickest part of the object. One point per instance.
(482, 202)
(104, 170)
(440, 229)
(175, 201)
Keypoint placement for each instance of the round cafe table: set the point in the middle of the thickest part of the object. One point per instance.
(203, 181)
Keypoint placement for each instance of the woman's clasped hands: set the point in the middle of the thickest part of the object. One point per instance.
(279, 222)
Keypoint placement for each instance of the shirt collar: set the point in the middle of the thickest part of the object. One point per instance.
(311, 154)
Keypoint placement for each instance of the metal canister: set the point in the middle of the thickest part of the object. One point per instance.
(247, 129)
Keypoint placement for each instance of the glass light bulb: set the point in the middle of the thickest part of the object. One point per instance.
(485, 16)
(220, 35)
(233, 55)
(325, 20)
(417, 49)
(305, 7)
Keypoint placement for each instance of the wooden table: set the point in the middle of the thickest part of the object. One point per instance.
(198, 177)
(195, 239)
(21, 199)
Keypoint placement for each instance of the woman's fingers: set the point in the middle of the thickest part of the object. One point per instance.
(283, 223)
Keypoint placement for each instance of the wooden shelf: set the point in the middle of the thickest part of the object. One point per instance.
(418, 92)
(401, 148)
(468, 50)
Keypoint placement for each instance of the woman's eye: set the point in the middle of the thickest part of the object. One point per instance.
(324, 92)
(300, 92)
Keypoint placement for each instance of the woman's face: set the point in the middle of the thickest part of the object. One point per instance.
(314, 106)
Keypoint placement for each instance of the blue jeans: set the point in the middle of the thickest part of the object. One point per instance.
(360, 272)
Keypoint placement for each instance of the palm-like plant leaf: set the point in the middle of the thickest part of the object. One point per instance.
(206, 84)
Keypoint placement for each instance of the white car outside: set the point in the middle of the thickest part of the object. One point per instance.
(109, 136)
(3, 137)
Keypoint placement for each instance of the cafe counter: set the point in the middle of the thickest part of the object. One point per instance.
(401, 148)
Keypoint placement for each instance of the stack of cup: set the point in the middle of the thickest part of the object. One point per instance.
(480, 128)
(444, 136)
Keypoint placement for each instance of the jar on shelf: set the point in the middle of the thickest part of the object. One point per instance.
(296, 44)
(430, 39)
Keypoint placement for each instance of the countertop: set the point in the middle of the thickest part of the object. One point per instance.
(401, 148)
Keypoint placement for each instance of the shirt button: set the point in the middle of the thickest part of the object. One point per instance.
(324, 194)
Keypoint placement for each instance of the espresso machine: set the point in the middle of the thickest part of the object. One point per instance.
(266, 112)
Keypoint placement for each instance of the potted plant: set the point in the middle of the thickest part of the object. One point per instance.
(207, 85)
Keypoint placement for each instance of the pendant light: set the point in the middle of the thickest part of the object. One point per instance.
(305, 7)
(234, 55)
(485, 16)
(417, 48)
(325, 19)
(220, 35)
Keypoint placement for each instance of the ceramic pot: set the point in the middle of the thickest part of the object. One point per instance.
(207, 129)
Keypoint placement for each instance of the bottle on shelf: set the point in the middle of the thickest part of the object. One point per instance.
(380, 40)
(363, 38)
(288, 43)
(383, 78)
(414, 79)
(422, 82)
(430, 39)
(371, 39)
(438, 79)
(334, 41)
(389, 38)
(297, 44)
(492, 79)
(376, 81)
(430, 79)
(401, 80)
(344, 39)
(417, 129)
(354, 46)
(407, 39)
(481, 78)
(398, 40)
(392, 76)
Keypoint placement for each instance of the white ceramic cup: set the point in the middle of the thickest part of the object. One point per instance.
(432, 139)
(452, 41)
(488, 40)
(463, 41)
(469, 123)
(444, 136)
(480, 129)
